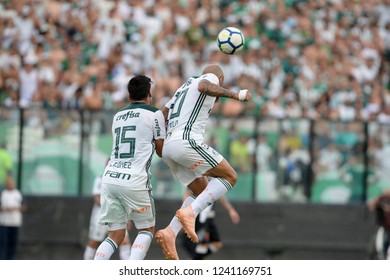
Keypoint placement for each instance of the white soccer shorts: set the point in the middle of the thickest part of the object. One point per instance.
(189, 159)
(121, 204)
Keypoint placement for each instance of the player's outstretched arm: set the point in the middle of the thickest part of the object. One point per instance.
(234, 216)
(208, 88)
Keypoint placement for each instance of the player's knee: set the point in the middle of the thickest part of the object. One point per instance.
(232, 177)
(94, 243)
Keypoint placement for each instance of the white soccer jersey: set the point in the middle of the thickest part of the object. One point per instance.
(190, 110)
(134, 129)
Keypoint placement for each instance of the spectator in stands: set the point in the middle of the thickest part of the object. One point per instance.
(384, 115)
(240, 156)
(346, 138)
(264, 154)
(290, 174)
(311, 59)
(6, 165)
(29, 83)
(329, 160)
(352, 174)
(274, 107)
(12, 205)
(381, 207)
(300, 41)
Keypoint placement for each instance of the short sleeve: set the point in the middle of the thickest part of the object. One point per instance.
(169, 103)
(159, 125)
(211, 77)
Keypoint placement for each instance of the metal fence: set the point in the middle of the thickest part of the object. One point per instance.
(60, 152)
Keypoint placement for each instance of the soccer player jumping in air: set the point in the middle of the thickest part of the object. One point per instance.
(190, 159)
(138, 130)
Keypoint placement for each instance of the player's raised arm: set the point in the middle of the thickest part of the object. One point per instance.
(208, 88)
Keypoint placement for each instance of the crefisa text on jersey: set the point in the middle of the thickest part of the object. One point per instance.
(129, 114)
(157, 127)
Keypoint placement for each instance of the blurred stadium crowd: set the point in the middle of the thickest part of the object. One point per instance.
(321, 60)
(318, 59)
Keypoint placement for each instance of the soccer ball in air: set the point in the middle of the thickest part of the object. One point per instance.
(230, 40)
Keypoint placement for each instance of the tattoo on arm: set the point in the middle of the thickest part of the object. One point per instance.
(211, 89)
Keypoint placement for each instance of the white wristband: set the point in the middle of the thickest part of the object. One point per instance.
(242, 94)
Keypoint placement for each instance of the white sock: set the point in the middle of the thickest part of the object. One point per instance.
(216, 188)
(124, 251)
(175, 224)
(106, 249)
(89, 253)
(388, 253)
(141, 245)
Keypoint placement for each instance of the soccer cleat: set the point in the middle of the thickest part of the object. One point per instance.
(187, 219)
(166, 240)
